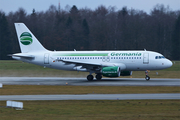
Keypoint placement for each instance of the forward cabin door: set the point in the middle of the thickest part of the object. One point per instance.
(146, 58)
(46, 58)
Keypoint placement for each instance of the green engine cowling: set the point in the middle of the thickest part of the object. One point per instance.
(111, 71)
(126, 73)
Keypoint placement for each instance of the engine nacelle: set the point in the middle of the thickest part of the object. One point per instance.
(126, 73)
(111, 71)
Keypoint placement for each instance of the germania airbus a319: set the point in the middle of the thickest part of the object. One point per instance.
(102, 63)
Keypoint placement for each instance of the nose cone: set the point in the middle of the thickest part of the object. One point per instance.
(168, 63)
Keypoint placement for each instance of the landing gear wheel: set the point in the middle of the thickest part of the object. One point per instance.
(147, 78)
(98, 76)
(90, 77)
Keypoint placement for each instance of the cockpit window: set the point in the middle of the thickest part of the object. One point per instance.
(159, 57)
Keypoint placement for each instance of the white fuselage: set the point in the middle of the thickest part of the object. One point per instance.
(133, 60)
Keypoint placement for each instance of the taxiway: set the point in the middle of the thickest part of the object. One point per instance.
(92, 97)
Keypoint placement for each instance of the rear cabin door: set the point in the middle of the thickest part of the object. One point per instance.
(146, 58)
(46, 58)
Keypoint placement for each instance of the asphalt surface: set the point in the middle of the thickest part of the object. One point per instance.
(84, 82)
(92, 97)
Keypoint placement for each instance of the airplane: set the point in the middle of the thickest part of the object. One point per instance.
(102, 63)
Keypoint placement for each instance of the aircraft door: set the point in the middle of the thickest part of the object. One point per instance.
(146, 58)
(46, 58)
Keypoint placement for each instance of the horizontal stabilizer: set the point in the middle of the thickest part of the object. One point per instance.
(23, 56)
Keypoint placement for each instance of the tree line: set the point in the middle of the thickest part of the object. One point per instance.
(105, 28)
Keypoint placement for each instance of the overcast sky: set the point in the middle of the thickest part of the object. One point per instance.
(43, 5)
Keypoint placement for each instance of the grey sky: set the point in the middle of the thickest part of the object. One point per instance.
(43, 5)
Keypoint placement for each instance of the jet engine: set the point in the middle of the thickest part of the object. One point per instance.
(111, 71)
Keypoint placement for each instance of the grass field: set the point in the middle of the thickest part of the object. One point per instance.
(94, 110)
(40, 89)
(13, 68)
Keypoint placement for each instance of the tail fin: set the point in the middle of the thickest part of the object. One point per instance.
(27, 41)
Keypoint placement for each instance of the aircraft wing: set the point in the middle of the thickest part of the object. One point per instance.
(90, 65)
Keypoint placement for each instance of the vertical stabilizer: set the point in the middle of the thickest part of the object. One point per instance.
(27, 41)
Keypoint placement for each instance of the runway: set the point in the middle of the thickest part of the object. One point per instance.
(84, 82)
(92, 97)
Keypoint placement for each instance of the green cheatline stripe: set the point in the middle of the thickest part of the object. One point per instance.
(80, 54)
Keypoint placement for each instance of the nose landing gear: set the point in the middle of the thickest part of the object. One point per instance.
(147, 77)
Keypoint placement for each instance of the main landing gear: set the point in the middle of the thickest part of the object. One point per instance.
(147, 77)
(98, 76)
(91, 77)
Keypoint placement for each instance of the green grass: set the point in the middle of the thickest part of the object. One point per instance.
(13, 68)
(94, 110)
(40, 89)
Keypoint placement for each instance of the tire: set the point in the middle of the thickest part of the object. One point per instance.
(98, 76)
(90, 77)
(147, 78)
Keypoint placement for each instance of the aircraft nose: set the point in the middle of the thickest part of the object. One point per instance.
(168, 63)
